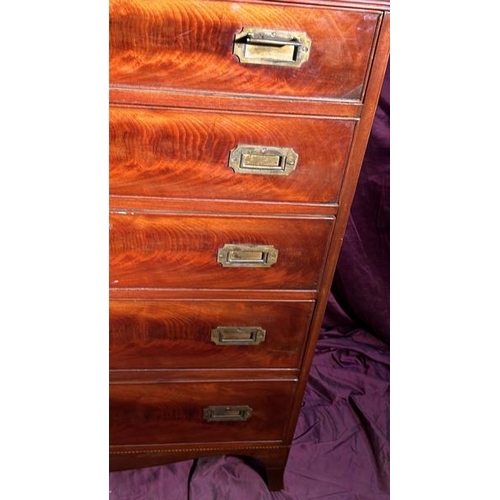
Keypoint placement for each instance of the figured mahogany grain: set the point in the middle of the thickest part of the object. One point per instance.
(177, 334)
(188, 44)
(178, 154)
(156, 251)
(173, 413)
(174, 202)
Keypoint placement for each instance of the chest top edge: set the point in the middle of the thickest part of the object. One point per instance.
(363, 4)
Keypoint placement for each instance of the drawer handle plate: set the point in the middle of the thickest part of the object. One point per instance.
(272, 47)
(238, 335)
(247, 255)
(227, 413)
(263, 160)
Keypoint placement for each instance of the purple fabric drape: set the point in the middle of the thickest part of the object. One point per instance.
(341, 444)
(361, 282)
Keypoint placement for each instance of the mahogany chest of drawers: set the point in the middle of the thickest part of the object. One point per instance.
(237, 132)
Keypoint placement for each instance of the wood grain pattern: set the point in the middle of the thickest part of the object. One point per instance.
(193, 206)
(180, 101)
(173, 413)
(168, 153)
(195, 375)
(177, 334)
(187, 44)
(264, 105)
(156, 251)
(200, 294)
(365, 4)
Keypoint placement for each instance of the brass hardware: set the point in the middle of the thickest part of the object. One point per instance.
(265, 160)
(275, 47)
(227, 413)
(247, 255)
(238, 335)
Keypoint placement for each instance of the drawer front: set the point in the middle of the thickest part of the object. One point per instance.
(215, 412)
(207, 334)
(171, 153)
(161, 251)
(188, 44)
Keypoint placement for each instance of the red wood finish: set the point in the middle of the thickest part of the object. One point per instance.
(188, 44)
(193, 206)
(180, 101)
(247, 374)
(352, 173)
(156, 251)
(262, 105)
(173, 413)
(171, 153)
(177, 333)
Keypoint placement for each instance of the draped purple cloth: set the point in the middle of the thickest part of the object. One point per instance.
(341, 444)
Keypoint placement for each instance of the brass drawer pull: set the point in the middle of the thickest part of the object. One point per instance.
(227, 413)
(264, 160)
(274, 47)
(238, 335)
(247, 255)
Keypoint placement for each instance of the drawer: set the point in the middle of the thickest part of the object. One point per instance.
(189, 44)
(207, 334)
(208, 412)
(216, 252)
(171, 153)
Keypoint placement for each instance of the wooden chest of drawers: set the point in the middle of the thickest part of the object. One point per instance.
(237, 131)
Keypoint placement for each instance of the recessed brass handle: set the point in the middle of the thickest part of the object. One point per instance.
(263, 160)
(227, 413)
(273, 47)
(247, 255)
(238, 335)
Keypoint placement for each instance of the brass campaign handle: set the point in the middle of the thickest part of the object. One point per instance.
(241, 255)
(238, 335)
(263, 160)
(227, 413)
(272, 47)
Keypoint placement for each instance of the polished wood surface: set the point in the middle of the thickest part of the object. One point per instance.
(156, 251)
(180, 101)
(194, 206)
(188, 44)
(158, 376)
(171, 153)
(173, 413)
(177, 333)
(263, 105)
